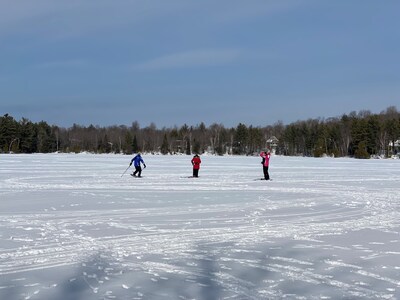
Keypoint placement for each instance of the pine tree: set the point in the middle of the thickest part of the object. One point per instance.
(27, 135)
(135, 146)
(240, 139)
(196, 146)
(128, 149)
(361, 150)
(164, 146)
(8, 132)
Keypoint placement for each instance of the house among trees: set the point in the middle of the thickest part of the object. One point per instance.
(394, 147)
(272, 144)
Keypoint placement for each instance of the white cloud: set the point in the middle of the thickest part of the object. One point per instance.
(196, 58)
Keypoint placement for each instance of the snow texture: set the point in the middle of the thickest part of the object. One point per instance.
(71, 227)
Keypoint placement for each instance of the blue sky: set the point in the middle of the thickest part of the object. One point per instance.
(184, 61)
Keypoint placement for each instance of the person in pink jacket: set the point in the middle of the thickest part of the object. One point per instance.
(265, 162)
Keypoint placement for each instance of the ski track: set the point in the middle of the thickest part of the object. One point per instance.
(72, 227)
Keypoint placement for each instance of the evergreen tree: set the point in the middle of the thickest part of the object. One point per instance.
(46, 140)
(240, 139)
(27, 136)
(289, 138)
(361, 150)
(373, 128)
(164, 145)
(196, 146)
(8, 132)
(255, 139)
(359, 133)
(135, 146)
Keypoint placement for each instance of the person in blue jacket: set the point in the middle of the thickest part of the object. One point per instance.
(136, 162)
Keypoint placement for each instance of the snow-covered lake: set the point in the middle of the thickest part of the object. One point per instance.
(72, 228)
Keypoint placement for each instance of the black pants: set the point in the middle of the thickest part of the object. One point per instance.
(138, 170)
(195, 172)
(266, 174)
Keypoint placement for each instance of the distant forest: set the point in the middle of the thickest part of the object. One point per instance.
(358, 134)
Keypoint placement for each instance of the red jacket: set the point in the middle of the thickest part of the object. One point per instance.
(196, 161)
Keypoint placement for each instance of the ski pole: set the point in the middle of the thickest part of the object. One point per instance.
(126, 170)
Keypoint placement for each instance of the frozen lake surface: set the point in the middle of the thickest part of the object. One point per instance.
(72, 228)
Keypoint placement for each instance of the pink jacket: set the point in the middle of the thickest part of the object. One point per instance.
(266, 156)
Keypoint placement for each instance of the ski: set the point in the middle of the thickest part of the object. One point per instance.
(134, 176)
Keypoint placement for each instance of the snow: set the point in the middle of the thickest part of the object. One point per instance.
(71, 227)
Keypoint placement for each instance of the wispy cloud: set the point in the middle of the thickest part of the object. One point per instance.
(190, 59)
(72, 63)
(69, 19)
(26, 16)
(238, 10)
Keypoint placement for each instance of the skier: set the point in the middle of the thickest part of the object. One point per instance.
(136, 162)
(196, 161)
(265, 162)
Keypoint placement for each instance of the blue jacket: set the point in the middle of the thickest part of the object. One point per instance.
(137, 160)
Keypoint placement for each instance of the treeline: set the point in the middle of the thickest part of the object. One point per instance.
(358, 135)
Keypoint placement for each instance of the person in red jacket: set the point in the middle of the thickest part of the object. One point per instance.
(196, 161)
(265, 162)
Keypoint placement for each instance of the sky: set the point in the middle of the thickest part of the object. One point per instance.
(179, 62)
